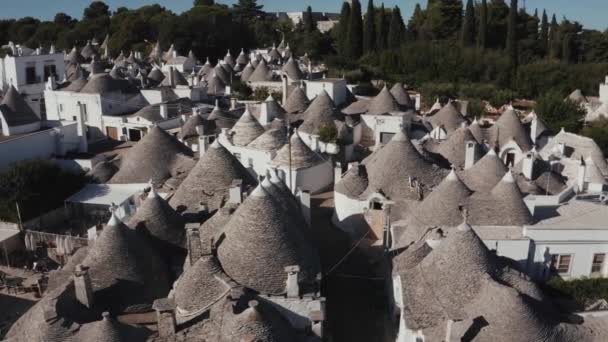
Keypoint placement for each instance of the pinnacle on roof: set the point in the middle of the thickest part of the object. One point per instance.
(210, 179)
(228, 59)
(274, 241)
(301, 155)
(383, 103)
(246, 129)
(242, 58)
(297, 102)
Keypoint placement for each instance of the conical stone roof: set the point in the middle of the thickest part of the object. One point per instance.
(508, 127)
(199, 286)
(124, 270)
(302, 156)
(228, 59)
(448, 117)
(261, 73)
(246, 129)
(485, 173)
(189, 128)
(319, 114)
(503, 206)
(15, 110)
(108, 329)
(271, 140)
(210, 179)
(292, 70)
(297, 102)
(390, 168)
(402, 97)
(247, 71)
(383, 103)
(157, 156)
(242, 58)
(255, 252)
(158, 219)
(156, 75)
(453, 149)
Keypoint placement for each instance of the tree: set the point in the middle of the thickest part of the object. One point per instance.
(395, 29)
(468, 25)
(512, 33)
(369, 34)
(544, 34)
(382, 29)
(598, 131)
(204, 3)
(558, 113)
(64, 20)
(498, 13)
(38, 186)
(554, 43)
(308, 21)
(343, 28)
(247, 9)
(96, 10)
(483, 25)
(355, 31)
(416, 23)
(444, 18)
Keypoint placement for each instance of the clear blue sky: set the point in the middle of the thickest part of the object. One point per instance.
(591, 13)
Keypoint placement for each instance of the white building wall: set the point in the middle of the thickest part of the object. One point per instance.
(314, 179)
(336, 89)
(604, 91)
(517, 250)
(15, 130)
(41, 144)
(348, 213)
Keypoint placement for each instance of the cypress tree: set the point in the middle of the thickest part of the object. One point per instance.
(567, 43)
(308, 21)
(482, 37)
(468, 25)
(553, 41)
(512, 33)
(544, 34)
(382, 29)
(369, 35)
(355, 31)
(416, 23)
(342, 31)
(395, 29)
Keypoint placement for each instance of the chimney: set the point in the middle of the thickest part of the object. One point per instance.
(195, 246)
(203, 141)
(52, 50)
(528, 165)
(165, 317)
(184, 118)
(292, 288)
(580, 176)
(305, 205)
(337, 172)
(171, 77)
(81, 129)
(470, 156)
(236, 192)
(83, 286)
(284, 89)
(534, 128)
(164, 111)
(51, 83)
(314, 143)
(232, 103)
(317, 317)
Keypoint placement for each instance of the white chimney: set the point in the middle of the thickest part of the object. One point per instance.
(337, 172)
(470, 157)
(236, 192)
(528, 165)
(51, 83)
(292, 287)
(534, 127)
(171, 77)
(83, 286)
(233, 101)
(164, 111)
(304, 196)
(284, 84)
(580, 176)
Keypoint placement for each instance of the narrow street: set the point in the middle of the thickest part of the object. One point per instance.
(356, 303)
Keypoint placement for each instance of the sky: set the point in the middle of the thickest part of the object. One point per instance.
(591, 13)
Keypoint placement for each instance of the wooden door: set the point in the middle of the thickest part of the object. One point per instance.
(112, 132)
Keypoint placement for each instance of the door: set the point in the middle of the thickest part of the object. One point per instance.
(134, 134)
(112, 132)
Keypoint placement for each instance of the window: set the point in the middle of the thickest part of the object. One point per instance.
(49, 70)
(561, 263)
(30, 73)
(598, 263)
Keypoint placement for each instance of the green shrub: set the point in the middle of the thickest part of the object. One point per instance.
(558, 113)
(583, 291)
(328, 134)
